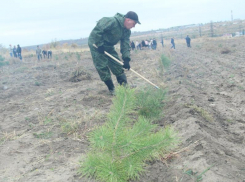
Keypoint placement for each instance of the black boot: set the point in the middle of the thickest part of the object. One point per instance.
(110, 86)
(122, 79)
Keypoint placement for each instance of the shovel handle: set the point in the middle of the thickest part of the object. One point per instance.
(129, 69)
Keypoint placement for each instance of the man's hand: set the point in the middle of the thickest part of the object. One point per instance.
(101, 49)
(126, 63)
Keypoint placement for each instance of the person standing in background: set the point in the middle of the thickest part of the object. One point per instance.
(188, 41)
(162, 42)
(38, 53)
(19, 52)
(132, 45)
(154, 44)
(172, 42)
(136, 45)
(10, 50)
(15, 52)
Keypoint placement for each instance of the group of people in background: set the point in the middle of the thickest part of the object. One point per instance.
(15, 51)
(187, 39)
(152, 44)
(43, 53)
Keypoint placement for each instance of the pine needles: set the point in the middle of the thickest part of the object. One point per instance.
(150, 102)
(165, 61)
(120, 148)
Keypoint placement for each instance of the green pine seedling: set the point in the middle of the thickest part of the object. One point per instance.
(150, 102)
(120, 148)
(165, 61)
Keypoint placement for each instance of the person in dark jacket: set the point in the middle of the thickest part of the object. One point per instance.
(154, 44)
(140, 47)
(162, 42)
(50, 54)
(132, 45)
(44, 52)
(107, 33)
(188, 41)
(143, 44)
(172, 42)
(19, 52)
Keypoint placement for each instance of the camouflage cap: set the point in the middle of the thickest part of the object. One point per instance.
(133, 16)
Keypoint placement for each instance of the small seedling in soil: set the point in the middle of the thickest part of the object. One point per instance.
(47, 120)
(37, 83)
(43, 135)
(195, 176)
(165, 61)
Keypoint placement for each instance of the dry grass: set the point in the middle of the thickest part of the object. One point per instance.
(5, 136)
(201, 111)
(173, 155)
(78, 127)
(80, 74)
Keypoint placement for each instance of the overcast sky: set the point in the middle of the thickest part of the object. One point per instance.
(33, 22)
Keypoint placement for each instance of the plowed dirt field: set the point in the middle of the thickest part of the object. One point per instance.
(205, 104)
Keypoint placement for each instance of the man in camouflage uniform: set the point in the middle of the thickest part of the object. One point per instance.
(107, 33)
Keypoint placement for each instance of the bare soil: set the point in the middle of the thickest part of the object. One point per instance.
(205, 104)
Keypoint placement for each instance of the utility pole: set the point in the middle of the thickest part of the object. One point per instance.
(231, 16)
(200, 30)
(211, 29)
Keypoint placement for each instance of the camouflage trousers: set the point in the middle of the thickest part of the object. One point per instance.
(104, 64)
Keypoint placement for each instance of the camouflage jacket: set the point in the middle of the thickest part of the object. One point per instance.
(109, 31)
